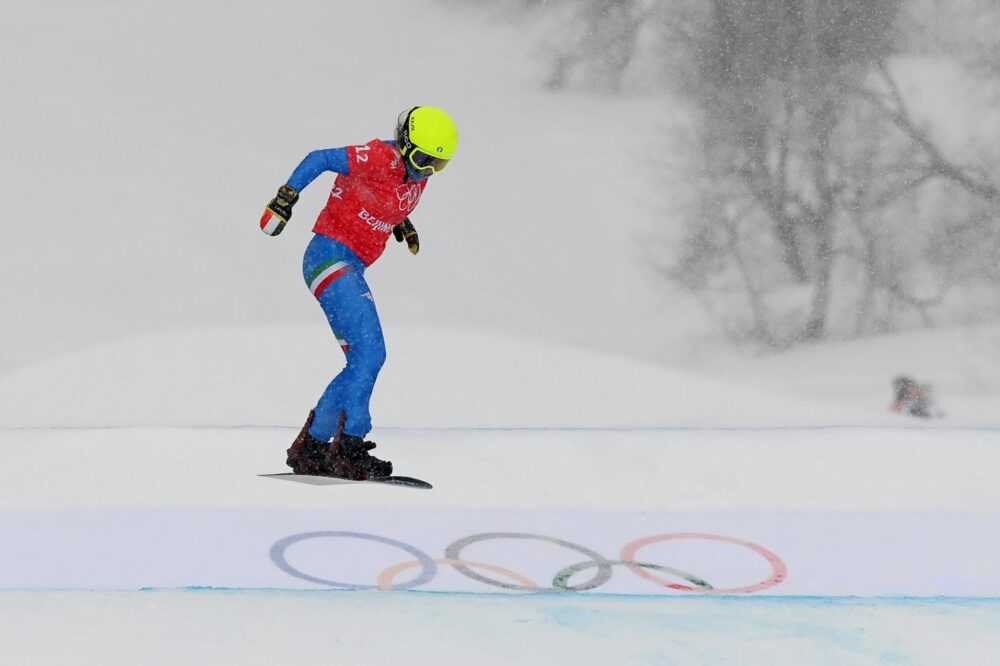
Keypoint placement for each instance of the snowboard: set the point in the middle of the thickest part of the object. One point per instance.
(309, 479)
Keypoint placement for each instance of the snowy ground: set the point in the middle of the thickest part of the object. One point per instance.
(59, 605)
(203, 627)
(886, 525)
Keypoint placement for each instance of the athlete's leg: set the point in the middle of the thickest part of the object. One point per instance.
(352, 315)
(336, 278)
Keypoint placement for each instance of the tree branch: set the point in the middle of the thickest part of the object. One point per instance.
(896, 111)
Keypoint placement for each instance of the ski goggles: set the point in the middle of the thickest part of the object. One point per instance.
(423, 161)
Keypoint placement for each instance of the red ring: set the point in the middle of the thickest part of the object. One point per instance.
(778, 569)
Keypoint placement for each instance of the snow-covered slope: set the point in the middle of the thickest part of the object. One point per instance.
(448, 378)
(962, 365)
(541, 231)
(433, 378)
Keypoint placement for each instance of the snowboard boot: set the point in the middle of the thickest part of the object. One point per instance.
(348, 458)
(307, 454)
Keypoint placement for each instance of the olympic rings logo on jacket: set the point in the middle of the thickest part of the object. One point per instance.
(408, 196)
(515, 581)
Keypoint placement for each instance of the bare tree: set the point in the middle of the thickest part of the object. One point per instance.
(604, 44)
(771, 80)
(823, 204)
(813, 162)
(594, 43)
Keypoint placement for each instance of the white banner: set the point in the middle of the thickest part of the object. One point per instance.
(771, 553)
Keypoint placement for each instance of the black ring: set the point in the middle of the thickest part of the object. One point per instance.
(454, 550)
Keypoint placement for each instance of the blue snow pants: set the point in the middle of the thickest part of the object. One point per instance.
(336, 277)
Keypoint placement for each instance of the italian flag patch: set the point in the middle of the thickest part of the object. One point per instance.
(271, 224)
(325, 274)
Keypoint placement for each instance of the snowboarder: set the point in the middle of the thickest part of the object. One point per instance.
(378, 185)
(913, 398)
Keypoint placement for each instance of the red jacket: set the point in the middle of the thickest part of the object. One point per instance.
(367, 203)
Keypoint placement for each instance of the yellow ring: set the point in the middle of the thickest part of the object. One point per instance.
(386, 578)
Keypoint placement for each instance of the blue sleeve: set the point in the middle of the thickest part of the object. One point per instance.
(317, 162)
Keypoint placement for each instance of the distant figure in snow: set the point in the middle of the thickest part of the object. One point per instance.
(378, 185)
(913, 398)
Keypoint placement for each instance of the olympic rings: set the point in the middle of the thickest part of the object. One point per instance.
(519, 582)
(778, 569)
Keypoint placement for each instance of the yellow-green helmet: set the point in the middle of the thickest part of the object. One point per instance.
(427, 138)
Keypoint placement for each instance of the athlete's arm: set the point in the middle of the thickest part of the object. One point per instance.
(317, 162)
(279, 210)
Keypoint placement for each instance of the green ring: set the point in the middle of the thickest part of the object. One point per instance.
(561, 580)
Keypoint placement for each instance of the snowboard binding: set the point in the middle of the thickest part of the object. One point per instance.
(346, 457)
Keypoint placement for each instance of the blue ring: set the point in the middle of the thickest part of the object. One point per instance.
(277, 553)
